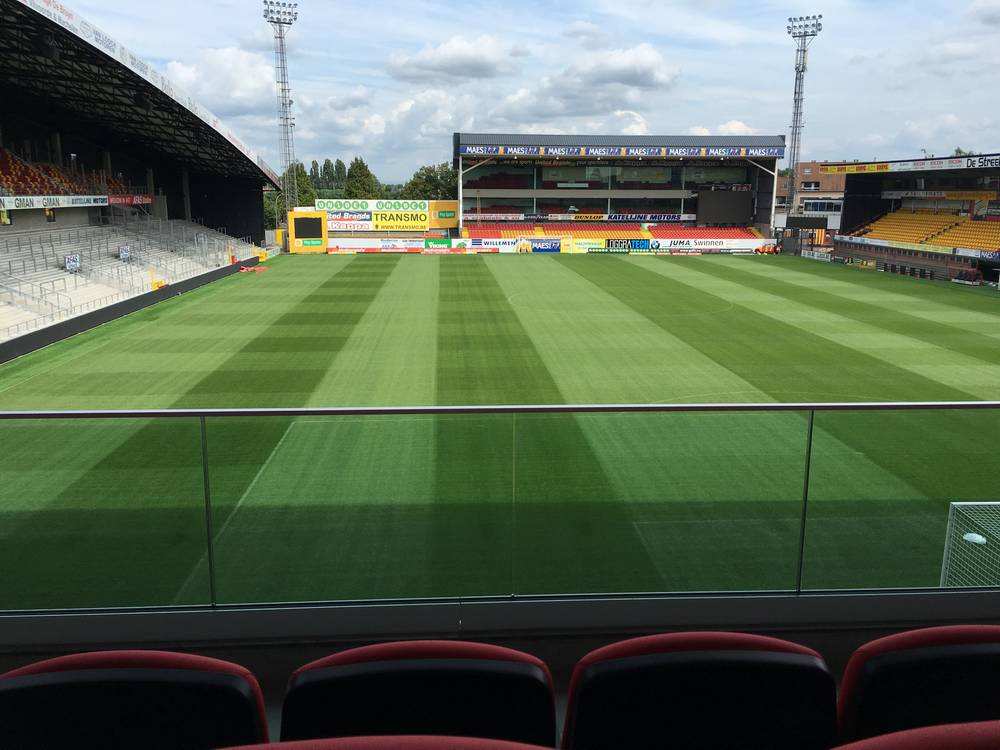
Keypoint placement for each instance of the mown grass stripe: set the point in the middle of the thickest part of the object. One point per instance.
(968, 343)
(150, 532)
(777, 357)
(529, 508)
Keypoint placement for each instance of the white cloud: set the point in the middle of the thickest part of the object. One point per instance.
(631, 123)
(358, 96)
(732, 127)
(618, 80)
(457, 58)
(230, 81)
(587, 33)
(987, 11)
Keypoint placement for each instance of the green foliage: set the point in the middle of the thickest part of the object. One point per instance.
(276, 200)
(433, 182)
(360, 182)
(959, 151)
(339, 178)
(314, 176)
(326, 176)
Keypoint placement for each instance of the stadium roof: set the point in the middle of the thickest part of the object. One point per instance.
(626, 141)
(83, 76)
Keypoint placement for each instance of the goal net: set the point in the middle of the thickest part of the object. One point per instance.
(972, 545)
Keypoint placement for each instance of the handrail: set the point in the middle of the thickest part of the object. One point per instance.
(349, 411)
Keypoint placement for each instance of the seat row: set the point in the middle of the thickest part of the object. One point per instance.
(683, 690)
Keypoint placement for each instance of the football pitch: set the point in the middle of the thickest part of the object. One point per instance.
(110, 513)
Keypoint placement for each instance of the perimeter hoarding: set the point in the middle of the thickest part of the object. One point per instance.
(27, 202)
(983, 161)
(387, 215)
(624, 152)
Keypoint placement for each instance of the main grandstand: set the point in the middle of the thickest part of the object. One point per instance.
(113, 181)
(605, 192)
(930, 218)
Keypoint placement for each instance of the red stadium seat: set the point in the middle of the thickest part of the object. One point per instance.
(422, 687)
(700, 691)
(983, 735)
(941, 675)
(396, 742)
(147, 699)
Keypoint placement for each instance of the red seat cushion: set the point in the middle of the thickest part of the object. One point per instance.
(982, 735)
(397, 742)
(921, 677)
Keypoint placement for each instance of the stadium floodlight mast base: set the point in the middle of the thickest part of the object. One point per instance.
(281, 16)
(803, 29)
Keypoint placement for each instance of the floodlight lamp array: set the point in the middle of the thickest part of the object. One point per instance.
(805, 25)
(279, 12)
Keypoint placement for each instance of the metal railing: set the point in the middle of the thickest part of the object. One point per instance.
(289, 505)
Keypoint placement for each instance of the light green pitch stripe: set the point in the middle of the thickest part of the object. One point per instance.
(151, 358)
(28, 475)
(980, 321)
(955, 370)
(391, 356)
(598, 350)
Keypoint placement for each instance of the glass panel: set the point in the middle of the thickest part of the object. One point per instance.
(349, 508)
(658, 502)
(102, 513)
(880, 489)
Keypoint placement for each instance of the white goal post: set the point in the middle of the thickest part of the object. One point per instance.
(972, 546)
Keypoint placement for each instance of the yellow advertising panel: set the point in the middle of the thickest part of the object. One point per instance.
(401, 221)
(307, 232)
(444, 214)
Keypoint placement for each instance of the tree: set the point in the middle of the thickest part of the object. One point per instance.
(326, 176)
(339, 175)
(962, 152)
(306, 196)
(432, 183)
(314, 174)
(360, 182)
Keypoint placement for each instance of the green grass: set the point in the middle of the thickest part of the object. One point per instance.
(111, 513)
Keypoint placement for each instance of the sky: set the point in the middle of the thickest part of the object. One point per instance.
(391, 80)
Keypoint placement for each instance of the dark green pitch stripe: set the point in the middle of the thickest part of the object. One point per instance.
(781, 360)
(523, 505)
(943, 335)
(81, 556)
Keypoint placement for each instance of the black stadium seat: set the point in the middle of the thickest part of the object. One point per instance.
(422, 687)
(982, 735)
(944, 675)
(130, 699)
(395, 742)
(701, 691)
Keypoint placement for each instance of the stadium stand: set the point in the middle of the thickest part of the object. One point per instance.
(909, 226)
(17, 177)
(699, 691)
(38, 289)
(148, 699)
(422, 687)
(919, 678)
(975, 235)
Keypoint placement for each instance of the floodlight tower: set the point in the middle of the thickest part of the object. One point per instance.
(803, 30)
(281, 16)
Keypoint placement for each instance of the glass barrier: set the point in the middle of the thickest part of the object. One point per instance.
(102, 513)
(880, 494)
(210, 509)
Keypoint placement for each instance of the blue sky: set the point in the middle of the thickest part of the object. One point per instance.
(392, 80)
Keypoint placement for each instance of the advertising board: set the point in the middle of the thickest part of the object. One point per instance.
(27, 202)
